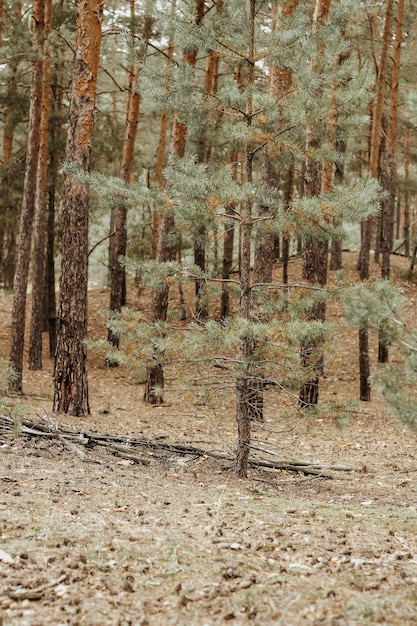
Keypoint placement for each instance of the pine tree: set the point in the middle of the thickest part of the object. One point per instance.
(252, 121)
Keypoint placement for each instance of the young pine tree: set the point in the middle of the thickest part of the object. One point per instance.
(246, 119)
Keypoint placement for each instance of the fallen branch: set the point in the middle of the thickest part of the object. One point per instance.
(124, 447)
(34, 594)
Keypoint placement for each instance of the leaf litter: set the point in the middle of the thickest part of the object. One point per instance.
(88, 537)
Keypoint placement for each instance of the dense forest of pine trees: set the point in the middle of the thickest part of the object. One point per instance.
(206, 142)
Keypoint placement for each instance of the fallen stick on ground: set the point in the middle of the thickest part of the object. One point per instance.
(122, 446)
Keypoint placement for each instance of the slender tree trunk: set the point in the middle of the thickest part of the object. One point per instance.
(367, 227)
(9, 218)
(229, 232)
(376, 129)
(159, 166)
(286, 240)
(245, 408)
(118, 242)
(50, 271)
(166, 250)
(162, 143)
(406, 226)
(9, 126)
(70, 373)
(38, 321)
(210, 87)
(228, 245)
(28, 205)
(339, 173)
(55, 158)
(315, 251)
(264, 250)
(388, 169)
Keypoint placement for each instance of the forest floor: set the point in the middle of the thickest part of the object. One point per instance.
(92, 538)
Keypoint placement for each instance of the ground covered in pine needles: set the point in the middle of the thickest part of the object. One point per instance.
(133, 516)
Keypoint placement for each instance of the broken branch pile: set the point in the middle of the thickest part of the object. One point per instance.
(79, 441)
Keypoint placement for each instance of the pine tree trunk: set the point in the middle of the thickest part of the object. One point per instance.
(388, 170)
(203, 152)
(70, 373)
(166, 251)
(364, 368)
(246, 411)
(38, 322)
(228, 245)
(286, 240)
(56, 124)
(118, 242)
(28, 205)
(50, 271)
(406, 226)
(315, 252)
(264, 250)
(367, 227)
(339, 173)
(9, 126)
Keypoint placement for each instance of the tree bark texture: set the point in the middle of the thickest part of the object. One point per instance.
(28, 204)
(166, 251)
(407, 212)
(388, 170)
(203, 152)
(286, 239)
(7, 227)
(264, 250)
(38, 322)
(246, 409)
(339, 174)
(118, 242)
(70, 373)
(315, 251)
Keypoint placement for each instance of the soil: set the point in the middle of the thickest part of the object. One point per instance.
(92, 538)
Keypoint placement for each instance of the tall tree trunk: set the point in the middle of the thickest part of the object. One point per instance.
(315, 251)
(55, 158)
(70, 373)
(245, 409)
(406, 226)
(339, 173)
(388, 169)
(162, 142)
(118, 241)
(9, 126)
(279, 82)
(38, 322)
(376, 132)
(228, 244)
(264, 250)
(367, 227)
(166, 250)
(9, 217)
(28, 204)
(286, 240)
(229, 231)
(210, 87)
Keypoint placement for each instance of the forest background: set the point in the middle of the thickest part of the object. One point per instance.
(230, 187)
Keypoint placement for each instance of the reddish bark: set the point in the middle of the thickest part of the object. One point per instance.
(70, 373)
(38, 318)
(166, 250)
(28, 205)
(315, 251)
